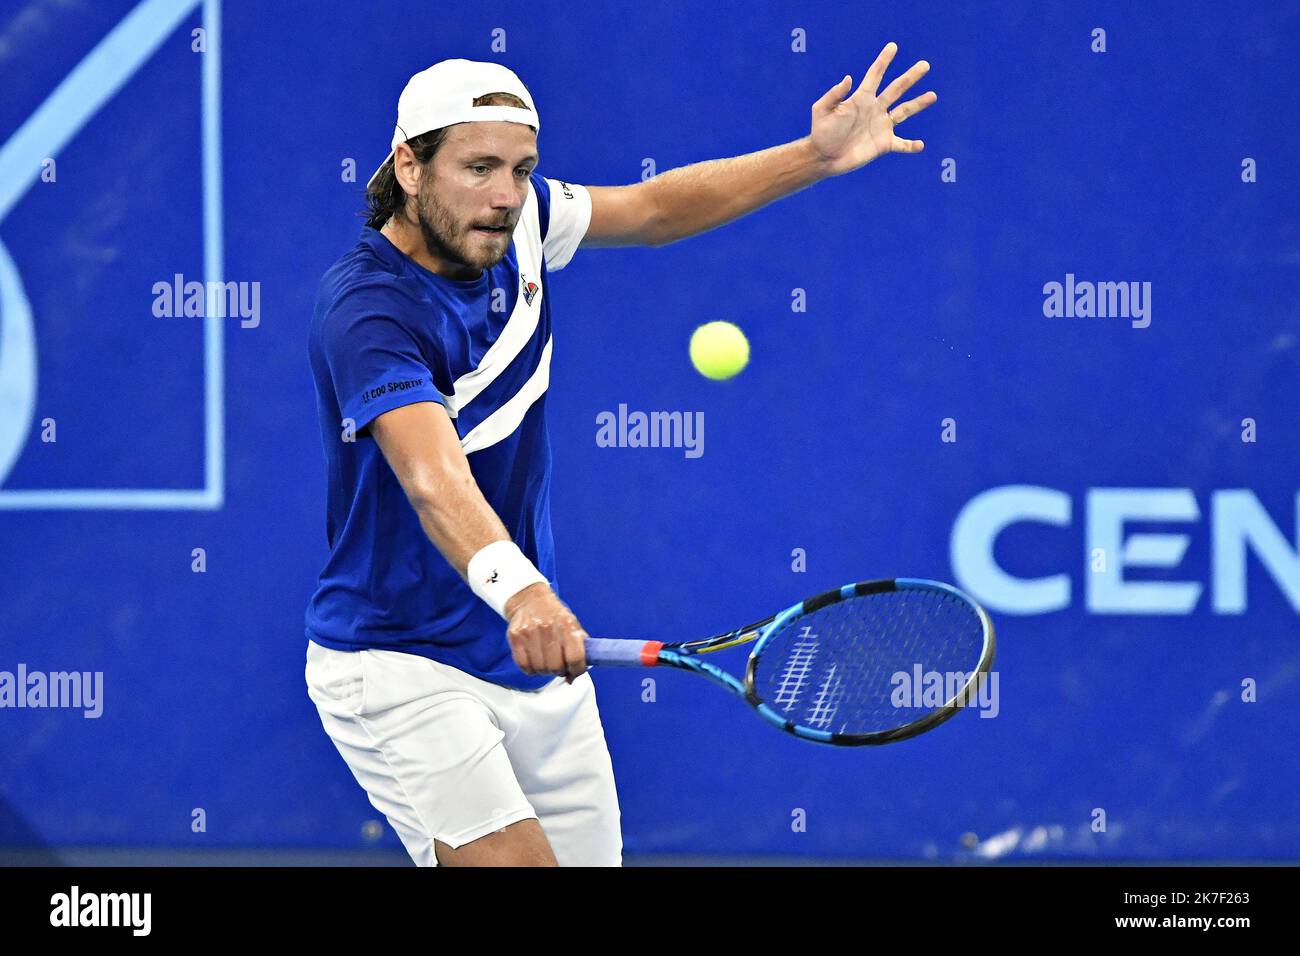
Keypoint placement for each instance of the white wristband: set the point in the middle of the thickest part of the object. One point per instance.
(500, 571)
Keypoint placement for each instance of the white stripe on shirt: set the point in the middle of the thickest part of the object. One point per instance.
(502, 423)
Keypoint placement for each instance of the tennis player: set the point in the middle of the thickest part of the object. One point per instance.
(441, 659)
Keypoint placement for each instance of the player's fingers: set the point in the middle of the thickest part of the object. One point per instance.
(520, 656)
(832, 97)
(907, 145)
(876, 73)
(912, 107)
(903, 83)
(550, 646)
(575, 652)
(522, 637)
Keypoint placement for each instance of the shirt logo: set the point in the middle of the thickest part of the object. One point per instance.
(372, 393)
(529, 290)
(564, 188)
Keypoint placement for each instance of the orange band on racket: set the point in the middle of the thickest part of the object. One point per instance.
(650, 653)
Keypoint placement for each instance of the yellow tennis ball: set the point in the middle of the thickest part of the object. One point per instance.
(719, 350)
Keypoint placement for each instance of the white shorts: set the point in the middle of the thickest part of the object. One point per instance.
(447, 756)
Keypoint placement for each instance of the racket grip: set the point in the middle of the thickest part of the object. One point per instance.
(615, 653)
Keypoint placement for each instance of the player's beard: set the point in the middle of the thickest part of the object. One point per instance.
(451, 240)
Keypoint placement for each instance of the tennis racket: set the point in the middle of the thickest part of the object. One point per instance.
(842, 667)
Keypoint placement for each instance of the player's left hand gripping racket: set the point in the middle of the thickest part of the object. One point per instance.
(857, 665)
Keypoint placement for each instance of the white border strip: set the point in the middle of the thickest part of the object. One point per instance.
(95, 80)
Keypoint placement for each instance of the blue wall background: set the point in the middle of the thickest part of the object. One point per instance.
(924, 302)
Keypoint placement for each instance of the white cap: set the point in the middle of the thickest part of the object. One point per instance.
(444, 95)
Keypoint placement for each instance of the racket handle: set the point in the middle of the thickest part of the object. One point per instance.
(615, 653)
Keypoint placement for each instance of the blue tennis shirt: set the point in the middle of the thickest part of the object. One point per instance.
(387, 332)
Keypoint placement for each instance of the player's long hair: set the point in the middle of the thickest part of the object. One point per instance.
(386, 198)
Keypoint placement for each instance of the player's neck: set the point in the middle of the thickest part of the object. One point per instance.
(409, 241)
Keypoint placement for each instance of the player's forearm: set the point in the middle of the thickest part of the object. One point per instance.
(456, 517)
(422, 448)
(696, 198)
(460, 522)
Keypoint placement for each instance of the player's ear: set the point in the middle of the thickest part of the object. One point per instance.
(407, 169)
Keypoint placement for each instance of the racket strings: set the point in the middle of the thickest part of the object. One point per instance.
(872, 662)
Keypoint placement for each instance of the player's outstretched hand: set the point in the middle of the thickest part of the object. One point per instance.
(544, 635)
(848, 133)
